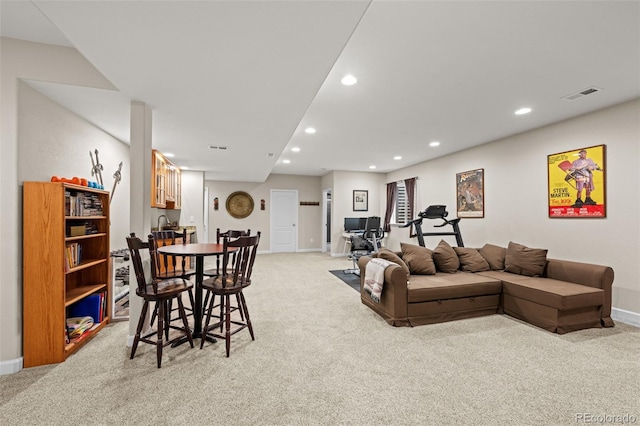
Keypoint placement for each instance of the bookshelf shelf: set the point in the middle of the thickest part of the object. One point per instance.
(65, 263)
(77, 294)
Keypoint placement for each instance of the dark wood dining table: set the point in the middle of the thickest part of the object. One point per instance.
(199, 250)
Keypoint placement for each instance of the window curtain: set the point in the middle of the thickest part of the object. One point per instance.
(410, 185)
(391, 203)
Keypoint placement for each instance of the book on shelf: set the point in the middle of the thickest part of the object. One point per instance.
(77, 326)
(91, 306)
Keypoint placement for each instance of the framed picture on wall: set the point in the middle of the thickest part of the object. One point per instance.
(360, 200)
(576, 183)
(470, 193)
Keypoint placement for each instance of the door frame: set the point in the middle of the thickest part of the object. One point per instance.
(326, 219)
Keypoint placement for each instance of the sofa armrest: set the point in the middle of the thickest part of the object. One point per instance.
(393, 300)
(597, 276)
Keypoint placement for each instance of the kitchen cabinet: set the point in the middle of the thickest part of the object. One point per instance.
(166, 182)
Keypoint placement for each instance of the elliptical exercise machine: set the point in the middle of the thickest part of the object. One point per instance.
(435, 212)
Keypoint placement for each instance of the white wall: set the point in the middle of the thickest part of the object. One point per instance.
(191, 213)
(24, 60)
(56, 142)
(515, 171)
(342, 186)
(309, 217)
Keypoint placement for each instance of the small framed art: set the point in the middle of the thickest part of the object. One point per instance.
(360, 200)
(470, 193)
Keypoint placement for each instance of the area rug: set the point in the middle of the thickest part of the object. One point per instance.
(352, 280)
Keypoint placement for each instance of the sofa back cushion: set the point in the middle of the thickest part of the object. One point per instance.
(387, 254)
(523, 260)
(494, 255)
(419, 259)
(445, 258)
(471, 260)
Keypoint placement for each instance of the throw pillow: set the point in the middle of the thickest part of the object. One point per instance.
(471, 260)
(445, 258)
(418, 259)
(494, 255)
(523, 260)
(387, 254)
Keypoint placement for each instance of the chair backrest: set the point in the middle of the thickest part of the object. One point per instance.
(232, 234)
(135, 245)
(164, 263)
(243, 257)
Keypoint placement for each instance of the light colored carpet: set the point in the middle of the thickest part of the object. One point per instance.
(321, 357)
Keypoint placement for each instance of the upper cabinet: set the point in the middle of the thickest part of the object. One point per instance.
(166, 182)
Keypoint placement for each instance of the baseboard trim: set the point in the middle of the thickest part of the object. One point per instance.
(311, 250)
(627, 317)
(11, 366)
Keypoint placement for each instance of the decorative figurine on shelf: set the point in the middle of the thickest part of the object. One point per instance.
(117, 176)
(97, 168)
(262, 204)
(215, 203)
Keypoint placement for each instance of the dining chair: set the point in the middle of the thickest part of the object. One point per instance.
(234, 278)
(231, 233)
(171, 267)
(161, 292)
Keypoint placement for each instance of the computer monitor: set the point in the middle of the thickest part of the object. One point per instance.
(353, 224)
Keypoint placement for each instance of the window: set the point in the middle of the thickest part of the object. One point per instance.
(402, 213)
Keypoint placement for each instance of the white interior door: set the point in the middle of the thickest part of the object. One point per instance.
(284, 221)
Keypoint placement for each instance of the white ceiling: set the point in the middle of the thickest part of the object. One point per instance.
(252, 75)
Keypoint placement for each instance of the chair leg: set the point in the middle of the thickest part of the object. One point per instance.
(161, 319)
(246, 314)
(183, 315)
(136, 339)
(239, 306)
(167, 317)
(227, 320)
(154, 314)
(205, 328)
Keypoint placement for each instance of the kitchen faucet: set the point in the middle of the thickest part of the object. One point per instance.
(166, 221)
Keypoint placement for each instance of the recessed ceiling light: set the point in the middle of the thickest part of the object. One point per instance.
(397, 157)
(168, 154)
(286, 161)
(310, 130)
(372, 167)
(349, 80)
(434, 143)
(184, 168)
(295, 149)
(522, 111)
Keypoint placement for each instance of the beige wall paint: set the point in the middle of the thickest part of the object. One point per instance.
(24, 60)
(309, 217)
(516, 201)
(55, 141)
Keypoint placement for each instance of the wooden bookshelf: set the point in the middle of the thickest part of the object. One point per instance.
(51, 282)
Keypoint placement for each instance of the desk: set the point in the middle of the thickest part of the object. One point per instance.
(347, 239)
(199, 250)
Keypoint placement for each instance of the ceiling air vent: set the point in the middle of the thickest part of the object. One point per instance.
(221, 148)
(585, 92)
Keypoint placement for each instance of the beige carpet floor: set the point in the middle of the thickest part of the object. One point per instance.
(321, 357)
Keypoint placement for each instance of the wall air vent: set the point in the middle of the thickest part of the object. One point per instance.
(581, 94)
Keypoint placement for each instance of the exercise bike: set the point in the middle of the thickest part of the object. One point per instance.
(435, 212)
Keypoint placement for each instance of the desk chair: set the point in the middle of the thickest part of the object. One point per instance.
(234, 278)
(160, 291)
(364, 245)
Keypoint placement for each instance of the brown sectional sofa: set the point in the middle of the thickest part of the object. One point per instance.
(567, 296)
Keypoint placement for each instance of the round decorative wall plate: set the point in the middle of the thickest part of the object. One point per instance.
(239, 204)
